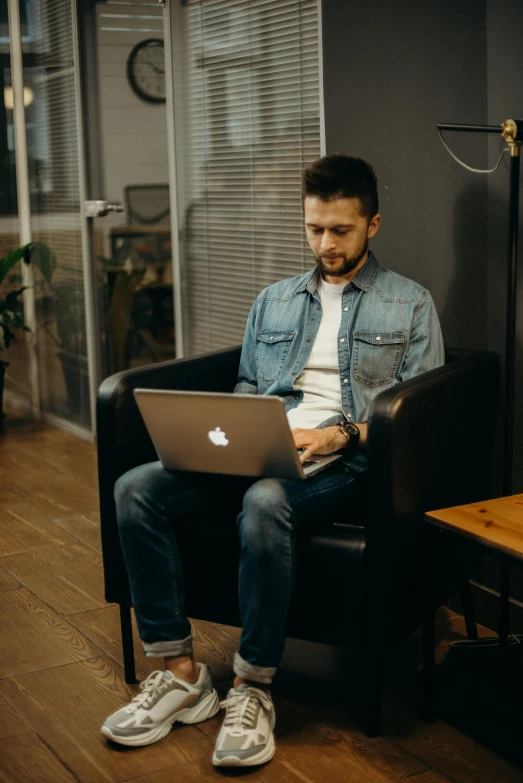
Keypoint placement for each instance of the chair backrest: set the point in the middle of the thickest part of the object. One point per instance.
(147, 204)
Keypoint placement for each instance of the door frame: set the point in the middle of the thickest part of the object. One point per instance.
(94, 186)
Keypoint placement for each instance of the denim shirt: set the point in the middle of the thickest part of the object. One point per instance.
(389, 332)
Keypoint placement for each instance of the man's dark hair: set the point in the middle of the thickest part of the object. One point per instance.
(341, 176)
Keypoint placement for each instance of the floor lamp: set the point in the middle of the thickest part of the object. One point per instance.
(512, 132)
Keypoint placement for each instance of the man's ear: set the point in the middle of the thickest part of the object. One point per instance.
(374, 224)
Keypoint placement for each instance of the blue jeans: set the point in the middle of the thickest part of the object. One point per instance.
(272, 512)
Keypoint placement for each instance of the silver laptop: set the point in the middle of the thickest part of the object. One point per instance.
(238, 434)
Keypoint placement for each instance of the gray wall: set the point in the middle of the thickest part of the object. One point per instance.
(390, 75)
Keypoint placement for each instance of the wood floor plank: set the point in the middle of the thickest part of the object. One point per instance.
(379, 753)
(48, 507)
(306, 756)
(7, 582)
(23, 528)
(11, 723)
(34, 637)
(430, 777)
(444, 749)
(26, 758)
(6, 496)
(210, 645)
(68, 454)
(200, 771)
(314, 730)
(84, 527)
(69, 578)
(69, 494)
(66, 707)
(64, 492)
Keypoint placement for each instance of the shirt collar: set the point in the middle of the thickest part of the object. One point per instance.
(363, 279)
(367, 274)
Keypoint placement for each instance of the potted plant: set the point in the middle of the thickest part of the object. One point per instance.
(11, 311)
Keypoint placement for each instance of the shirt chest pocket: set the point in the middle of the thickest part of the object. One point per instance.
(271, 351)
(376, 356)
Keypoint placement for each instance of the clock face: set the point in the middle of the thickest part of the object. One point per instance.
(146, 70)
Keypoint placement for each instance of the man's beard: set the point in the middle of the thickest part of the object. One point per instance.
(346, 266)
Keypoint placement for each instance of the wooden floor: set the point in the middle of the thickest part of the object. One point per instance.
(61, 672)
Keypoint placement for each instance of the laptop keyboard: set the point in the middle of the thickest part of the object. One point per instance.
(307, 462)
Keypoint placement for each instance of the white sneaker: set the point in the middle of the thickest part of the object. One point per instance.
(164, 700)
(247, 735)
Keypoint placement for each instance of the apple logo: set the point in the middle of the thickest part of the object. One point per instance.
(218, 437)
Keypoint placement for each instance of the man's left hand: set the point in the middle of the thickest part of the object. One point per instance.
(325, 440)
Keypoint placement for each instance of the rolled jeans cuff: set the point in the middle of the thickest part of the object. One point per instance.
(172, 649)
(249, 671)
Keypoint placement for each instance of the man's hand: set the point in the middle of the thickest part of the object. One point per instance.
(319, 441)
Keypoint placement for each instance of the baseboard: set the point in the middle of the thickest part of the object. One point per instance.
(18, 404)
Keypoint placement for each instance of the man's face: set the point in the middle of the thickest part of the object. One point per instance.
(338, 235)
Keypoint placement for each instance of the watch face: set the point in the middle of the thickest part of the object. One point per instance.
(146, 70)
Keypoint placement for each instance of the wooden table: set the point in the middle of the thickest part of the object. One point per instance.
(496, 524)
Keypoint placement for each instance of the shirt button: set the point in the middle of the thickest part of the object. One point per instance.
(349, 415)
(318, 308)
(308, 339)
(345, 380)
(342, 340)
(345, 308)
(272, 338)
(378, 337)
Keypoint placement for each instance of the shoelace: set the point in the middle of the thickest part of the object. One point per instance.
(241, 707)
(153, 684)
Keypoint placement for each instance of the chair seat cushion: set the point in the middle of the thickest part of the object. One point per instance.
(327, 605)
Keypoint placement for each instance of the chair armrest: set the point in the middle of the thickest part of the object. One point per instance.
(430, 438)
(429, 446)
(122, 437)
(123, 441)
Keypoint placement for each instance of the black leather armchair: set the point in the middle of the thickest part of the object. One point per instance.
(358, 583)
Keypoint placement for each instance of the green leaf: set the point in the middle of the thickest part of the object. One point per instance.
(44, 259)
(12, 295)
(8, 336)
(8, 261)
(18, 320)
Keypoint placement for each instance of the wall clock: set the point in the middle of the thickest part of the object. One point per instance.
(146, 70)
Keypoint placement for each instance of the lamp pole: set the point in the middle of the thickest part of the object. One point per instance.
(512, 133)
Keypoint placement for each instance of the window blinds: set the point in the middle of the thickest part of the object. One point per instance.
(247, 123)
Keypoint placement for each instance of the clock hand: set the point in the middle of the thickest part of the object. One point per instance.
(154, 67)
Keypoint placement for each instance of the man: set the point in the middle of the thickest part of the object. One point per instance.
(326, 341)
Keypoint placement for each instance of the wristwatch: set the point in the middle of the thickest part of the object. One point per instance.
(351, 432)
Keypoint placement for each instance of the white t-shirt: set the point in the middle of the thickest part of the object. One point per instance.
(320, 378)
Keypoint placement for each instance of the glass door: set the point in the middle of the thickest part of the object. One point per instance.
(130, 213)
(43, 57)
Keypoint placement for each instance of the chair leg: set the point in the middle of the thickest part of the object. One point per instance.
(428, 625)
(429, 644)
(374, 685)
(468, 610)
(127, 645)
